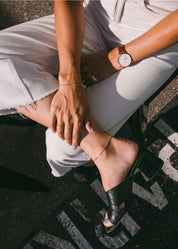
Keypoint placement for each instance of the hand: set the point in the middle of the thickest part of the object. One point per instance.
(70, 113)
(97, 67)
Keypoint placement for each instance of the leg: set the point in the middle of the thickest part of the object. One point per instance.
(119, 152)
(127, 89)
(36, 54)
(41, 115)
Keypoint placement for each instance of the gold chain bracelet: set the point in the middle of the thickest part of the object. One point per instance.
(74, 84)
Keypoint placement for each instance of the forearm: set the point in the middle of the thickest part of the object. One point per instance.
(69, 21)
(160, 36)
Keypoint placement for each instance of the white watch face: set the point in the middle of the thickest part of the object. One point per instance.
(124, 60)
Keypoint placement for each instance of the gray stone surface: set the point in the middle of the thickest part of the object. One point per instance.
(18, 11)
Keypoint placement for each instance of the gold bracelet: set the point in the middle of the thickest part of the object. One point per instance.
(66, 74)
(70, 84)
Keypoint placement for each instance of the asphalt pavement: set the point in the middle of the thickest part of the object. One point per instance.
(39, 211)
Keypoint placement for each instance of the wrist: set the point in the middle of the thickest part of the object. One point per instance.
(69, 78)
(113, 58)
(120, 57)
(67, 67)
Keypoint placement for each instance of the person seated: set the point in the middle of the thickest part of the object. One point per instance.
(110, 56)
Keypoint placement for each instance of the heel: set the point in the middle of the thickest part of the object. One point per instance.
(150, 165)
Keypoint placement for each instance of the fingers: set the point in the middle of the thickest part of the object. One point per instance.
(72, 132)
(88, 124)
(76, 133)
(53, 121)
(68, 121)
(60, 129)
(68, 130)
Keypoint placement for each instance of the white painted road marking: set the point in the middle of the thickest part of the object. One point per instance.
(52, 241)
(73, 231)
(167, 168)
(28, 246)
(157, 198)
(166, 152)
(115, 242)
(127, 221)
(130, 224)
(80, 208)
(167, 131)
(109, 242)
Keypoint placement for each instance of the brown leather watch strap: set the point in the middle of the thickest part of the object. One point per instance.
(122, 50)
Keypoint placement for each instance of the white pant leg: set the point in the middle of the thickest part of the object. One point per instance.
(29, 59)
(112, 101)
(61, 156)
(116, 98)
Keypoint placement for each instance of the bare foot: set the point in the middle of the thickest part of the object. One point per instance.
(114, 164)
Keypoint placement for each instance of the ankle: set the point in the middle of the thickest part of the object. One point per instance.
(104, 150)
(120, 151)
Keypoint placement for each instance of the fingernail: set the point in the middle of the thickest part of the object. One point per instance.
(105, 221)
(75, 176)
(74, 147)
(92, 130)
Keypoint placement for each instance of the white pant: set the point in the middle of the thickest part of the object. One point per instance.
(28, 60)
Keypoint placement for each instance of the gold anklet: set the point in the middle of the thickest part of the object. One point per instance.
(103, 148)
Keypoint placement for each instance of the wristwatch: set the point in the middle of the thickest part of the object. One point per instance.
(124, 58)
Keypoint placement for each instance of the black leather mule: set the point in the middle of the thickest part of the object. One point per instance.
(150, 165)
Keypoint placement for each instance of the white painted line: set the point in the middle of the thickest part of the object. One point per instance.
(123, 237)
(127, 221)
(156, 198)
(130, 224)
(52, 241)
(164, 128)
(110, 242)
(73, 231)
(28, 246)
(80, 208)
(167, 168)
